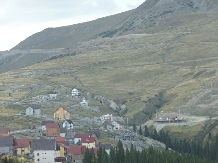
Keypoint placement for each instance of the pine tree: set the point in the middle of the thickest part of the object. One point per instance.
(146, 133)
(112, 155)
(140, 130)
(86, 156)
(134, 127)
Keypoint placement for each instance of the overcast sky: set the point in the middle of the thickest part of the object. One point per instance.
(22, 18)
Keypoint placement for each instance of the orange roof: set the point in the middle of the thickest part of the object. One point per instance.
(59, 138)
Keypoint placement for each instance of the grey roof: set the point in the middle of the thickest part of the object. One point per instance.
(43, 144)
(6, 141)
(45, 122)
(34, 106)
(97, 133)
(63, 130)
(105, 146)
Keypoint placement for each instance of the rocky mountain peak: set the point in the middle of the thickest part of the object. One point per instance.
(196, 6)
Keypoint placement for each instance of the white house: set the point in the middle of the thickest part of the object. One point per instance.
(63, 132)
(68, 124)
(53, 95)
(117, 125)
(33, 110)
(75, 92)
(107, 117)
(45, 150)
(43, 124)
(84, 103)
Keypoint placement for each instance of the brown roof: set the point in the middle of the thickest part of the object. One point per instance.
(4, 130)
(21, 143)
(52, 125)
(81, 135)
(77, 150)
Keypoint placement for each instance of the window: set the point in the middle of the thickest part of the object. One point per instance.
(37, 154)
(37, 159)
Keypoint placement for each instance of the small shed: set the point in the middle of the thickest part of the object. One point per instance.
(33, 110)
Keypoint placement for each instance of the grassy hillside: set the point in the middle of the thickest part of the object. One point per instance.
(134, 69)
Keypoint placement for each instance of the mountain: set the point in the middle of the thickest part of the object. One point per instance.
(149, 17)
(159, 56)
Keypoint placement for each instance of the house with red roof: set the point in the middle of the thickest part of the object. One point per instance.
(118, 125)
(52, 129)
(78, 137)
(88, 142)
(21, 146)
(76, 153)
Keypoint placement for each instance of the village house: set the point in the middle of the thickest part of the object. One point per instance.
(53, 95)
(96, 134)
(6, 145)
(78, 137)
(21, 146)
(52, 130)
(84, 103)
(4, 132)
(107, 117)
(43, 124)
(88, 142)
(117, 125)
(68, 124)
(33, 110)
(75, 92)
(76, 154)
(61, 114)
(64, 146)
(45, 150)
(63, 132)
(128, 135)
(106, 126)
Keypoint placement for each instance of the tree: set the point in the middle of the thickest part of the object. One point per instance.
(134, 127)
(140, 130)
(146, 133)
(86, 156)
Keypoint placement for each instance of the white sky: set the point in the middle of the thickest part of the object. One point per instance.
(22, 18)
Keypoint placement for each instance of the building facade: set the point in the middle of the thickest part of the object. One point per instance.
(61, 114)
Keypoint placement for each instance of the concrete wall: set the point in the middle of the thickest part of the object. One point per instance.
(45, 156)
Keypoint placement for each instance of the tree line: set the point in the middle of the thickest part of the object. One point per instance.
(150, 155)
(196, 148)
